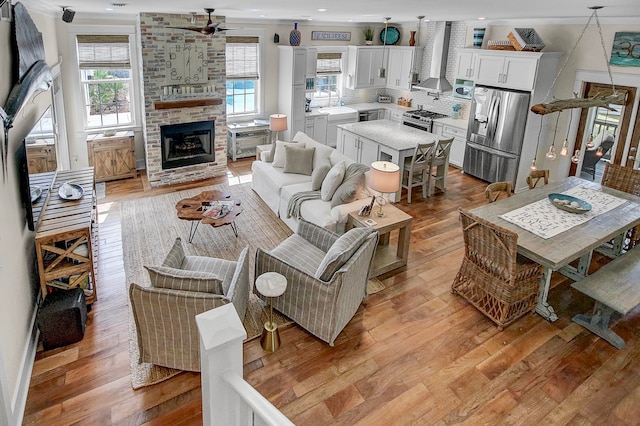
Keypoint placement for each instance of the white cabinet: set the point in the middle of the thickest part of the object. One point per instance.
(511, 70)
(363, 63)
(465, 66)
(405, 63)
(316, 128)
(358, 148)
(393, 115)
(514, 72)
(459, 135)
(291, 85)
(312, 62)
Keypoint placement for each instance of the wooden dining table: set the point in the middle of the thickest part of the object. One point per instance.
(579, 242)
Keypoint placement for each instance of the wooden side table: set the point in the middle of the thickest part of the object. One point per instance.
(387, 258)
(261, 148)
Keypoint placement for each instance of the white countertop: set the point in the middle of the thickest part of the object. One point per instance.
(390, 133)
(368, 106)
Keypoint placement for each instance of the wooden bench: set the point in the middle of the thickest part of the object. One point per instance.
(614, 287)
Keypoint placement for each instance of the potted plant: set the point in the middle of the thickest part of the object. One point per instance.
(368, 35)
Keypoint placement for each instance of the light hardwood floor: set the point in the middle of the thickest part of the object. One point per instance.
(413, 354)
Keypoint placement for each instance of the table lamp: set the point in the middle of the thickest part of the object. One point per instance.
(384, 178)
(277, 123)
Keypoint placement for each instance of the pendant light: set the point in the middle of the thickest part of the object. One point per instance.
(382, 72)
(600, 150)
(576, 157)
(564, 151)
(551, 154)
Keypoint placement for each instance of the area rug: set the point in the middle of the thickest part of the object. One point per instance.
(149, 228)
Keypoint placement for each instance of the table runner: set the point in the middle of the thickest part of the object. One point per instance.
(545, 220)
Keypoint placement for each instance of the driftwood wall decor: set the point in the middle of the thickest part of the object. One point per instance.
(33, 73)
(597, 101)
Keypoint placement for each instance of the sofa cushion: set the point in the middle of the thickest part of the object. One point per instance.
(308, 257)
(176, 255)
(332, 181)
(222, 268)
(319, 173)
(182, 279)
(279, 154)
(352, 186)
(323, 152)
(340, 252)
(298, 160)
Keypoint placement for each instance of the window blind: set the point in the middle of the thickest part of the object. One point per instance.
(328, 63)
(103, 51)
(242, 58)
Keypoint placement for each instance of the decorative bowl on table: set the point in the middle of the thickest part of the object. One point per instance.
(70, 191)
(569, 203)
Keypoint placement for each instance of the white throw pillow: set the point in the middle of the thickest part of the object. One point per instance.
(279, 155)
(332, 181)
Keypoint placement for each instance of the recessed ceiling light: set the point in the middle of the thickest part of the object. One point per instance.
(322, 10)
(110, 9)
(482, 18)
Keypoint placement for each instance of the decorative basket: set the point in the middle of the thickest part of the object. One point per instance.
(525, 39)
(404, 103)
(500, 45)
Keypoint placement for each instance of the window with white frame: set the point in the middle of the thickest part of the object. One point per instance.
(243, 65)
(105, 68)
(328, 76)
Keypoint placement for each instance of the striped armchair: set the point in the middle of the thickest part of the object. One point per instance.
(165, 317)
(326, 275)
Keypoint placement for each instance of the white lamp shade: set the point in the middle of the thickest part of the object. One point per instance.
(277, 122)
(384, 177)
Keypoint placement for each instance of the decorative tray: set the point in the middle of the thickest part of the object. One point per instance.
(569, 203)
(36, 192)
(70, 191)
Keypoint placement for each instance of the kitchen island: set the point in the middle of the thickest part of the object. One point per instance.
(369, 141)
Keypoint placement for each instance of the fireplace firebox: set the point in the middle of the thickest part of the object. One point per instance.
(186, 144)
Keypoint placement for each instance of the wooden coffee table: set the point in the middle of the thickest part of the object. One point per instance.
(192, 208)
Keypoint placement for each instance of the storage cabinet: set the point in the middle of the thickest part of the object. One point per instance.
(393, 115)
(514, 72)
(41, 156)
(362, 67)
(511, 70)
(405, 63)
(465, 66)
(66, 238)
(459, 135)
(358, 148)
(316, 127)
(243, 138)
(112, 157)
(292, 77)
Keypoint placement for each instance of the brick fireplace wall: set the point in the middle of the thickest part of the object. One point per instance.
(156, 39)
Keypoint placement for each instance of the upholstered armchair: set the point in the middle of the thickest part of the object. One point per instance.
(183, 287)
(326, 275)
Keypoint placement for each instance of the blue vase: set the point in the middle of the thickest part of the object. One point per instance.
(478, 37)
(295, 36)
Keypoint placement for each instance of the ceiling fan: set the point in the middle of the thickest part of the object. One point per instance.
(209, 29)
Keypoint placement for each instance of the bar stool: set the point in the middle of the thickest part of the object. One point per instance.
(271, 284)
(440, 161)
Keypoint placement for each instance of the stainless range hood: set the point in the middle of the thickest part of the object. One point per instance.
(437, 83)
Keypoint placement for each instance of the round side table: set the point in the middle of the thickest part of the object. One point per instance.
(271, 284)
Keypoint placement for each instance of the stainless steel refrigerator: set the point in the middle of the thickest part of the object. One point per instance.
(495, 134)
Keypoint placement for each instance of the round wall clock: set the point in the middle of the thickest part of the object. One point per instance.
(392, 34)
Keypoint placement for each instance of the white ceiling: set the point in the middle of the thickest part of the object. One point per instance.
(341, 11)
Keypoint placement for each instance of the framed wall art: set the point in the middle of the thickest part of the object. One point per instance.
(331, 35)
(5, 10)
(626, 49)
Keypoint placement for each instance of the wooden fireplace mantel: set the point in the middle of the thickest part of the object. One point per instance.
(187, 103)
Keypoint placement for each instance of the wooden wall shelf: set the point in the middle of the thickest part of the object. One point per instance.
(187, 103)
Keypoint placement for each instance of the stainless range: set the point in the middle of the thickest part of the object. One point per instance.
(420, 119)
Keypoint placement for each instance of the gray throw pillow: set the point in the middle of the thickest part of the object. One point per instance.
(319, 173)
(298, 160)
(349, 190)
(182, 279)
(279, 153)
(341, 251)
(176, 255)
(332, 181)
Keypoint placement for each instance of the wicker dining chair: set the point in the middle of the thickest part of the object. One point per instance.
(536, 176)
(625, 179)
(492, 277)
(497, 190)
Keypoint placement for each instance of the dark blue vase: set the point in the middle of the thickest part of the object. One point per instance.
(295, 36)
